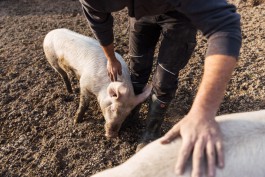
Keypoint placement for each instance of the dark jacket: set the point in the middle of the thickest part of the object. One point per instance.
(217, 19)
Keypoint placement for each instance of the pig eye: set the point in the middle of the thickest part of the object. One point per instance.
(112, 109)
(114, 95)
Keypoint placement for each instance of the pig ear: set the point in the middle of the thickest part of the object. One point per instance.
(116, 90)
(112, 91)
(143, 96)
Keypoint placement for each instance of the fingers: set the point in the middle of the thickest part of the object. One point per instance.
(114, 68)
(198, 154)
(112, 77)
(172, 134)
(113, 74)
(220, 153)
(211, 148)
(184, 153)
(210, 153)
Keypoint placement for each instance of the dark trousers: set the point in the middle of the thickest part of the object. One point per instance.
(178, 40)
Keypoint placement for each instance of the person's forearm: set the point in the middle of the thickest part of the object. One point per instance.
(217, 73)
(109, 52)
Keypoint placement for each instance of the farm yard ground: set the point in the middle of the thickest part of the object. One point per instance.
(37, 134)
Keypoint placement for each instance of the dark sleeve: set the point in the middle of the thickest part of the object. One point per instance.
(218, 21)
(101, 24)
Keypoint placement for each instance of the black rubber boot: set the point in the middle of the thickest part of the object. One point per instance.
(155, 118)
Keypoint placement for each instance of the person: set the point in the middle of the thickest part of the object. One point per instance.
(177, 21)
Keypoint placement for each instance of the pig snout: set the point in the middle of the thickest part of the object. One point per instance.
(112, 130)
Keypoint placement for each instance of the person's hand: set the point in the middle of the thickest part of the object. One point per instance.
(113, 65)
(114, 68)
(200, 134)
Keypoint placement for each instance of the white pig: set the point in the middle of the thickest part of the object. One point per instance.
(70, 52)
(244, 143)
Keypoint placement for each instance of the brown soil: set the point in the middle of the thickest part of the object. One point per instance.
(37, 134)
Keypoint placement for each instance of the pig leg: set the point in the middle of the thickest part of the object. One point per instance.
(65, 79)
(83, 104)
(63, 74)
(54, 61)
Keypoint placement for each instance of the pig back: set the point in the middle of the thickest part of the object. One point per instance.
(85, 57)
(244, 144)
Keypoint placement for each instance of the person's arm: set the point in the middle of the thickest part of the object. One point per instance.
(220, 24)
(113, 66)
(101, 25)
(198, 129)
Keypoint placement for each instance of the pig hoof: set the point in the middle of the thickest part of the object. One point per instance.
(77, 120)
(110, 136)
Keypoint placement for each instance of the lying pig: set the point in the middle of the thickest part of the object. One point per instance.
(70, 52)
(244, 143)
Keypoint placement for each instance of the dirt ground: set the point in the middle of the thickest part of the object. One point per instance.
(37, 134)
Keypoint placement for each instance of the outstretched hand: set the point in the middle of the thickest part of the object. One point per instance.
(201, 135)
